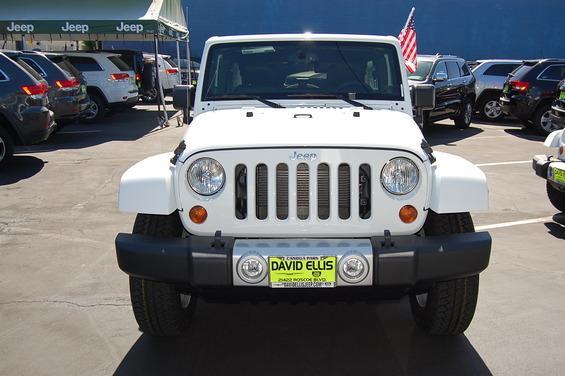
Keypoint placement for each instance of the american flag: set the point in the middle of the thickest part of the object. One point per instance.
(407, 40)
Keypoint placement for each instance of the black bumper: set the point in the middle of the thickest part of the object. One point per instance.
(206, 262)
(540, 165)
(558, 118)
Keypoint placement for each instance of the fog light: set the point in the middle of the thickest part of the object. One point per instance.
(252, 268)
(198, 214)
(408, 214)
(353, 267)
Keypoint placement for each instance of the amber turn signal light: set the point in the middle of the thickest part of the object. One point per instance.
(198, 214)
(408, 214)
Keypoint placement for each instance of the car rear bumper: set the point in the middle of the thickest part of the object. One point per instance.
(557, 116)
(202, 262)
(517, 106)
(37, 124)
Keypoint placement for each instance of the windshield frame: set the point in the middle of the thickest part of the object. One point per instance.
(395, 70)
(424, 78)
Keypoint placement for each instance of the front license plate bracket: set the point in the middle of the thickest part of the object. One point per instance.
(302, 271)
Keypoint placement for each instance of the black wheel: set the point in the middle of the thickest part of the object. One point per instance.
(160, 309)
(490, 107)
(97, 109)
(556, 197)
(542, 120)
(446, 307)
(6, 146)
(150, 96)
(463, 120)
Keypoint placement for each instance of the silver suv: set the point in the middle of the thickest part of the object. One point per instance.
(490, 76)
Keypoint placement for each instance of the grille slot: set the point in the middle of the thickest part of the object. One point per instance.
(302, 191)
(240, 191)
(323, 191)
(261, 192)
(282, 191)
(365, 191)
(344, 191)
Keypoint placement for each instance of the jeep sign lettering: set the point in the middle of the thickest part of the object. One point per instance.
(138, 28)
(71, 28)
(26, 28)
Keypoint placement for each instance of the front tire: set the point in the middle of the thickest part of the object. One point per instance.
(446, 307)
(463, 120)
(160, 309)
(556, 197)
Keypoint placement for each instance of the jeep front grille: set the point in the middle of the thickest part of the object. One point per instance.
(308, 187)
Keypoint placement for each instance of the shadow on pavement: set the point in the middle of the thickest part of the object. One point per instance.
(303, 339)
(526, 133)
(127, 125)
(443, 134)
(557, 227)
(20, 168)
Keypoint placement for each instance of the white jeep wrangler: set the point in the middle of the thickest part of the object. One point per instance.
(553, 169)
(303, 175)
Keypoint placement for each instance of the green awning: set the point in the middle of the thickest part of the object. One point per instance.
(134, 20)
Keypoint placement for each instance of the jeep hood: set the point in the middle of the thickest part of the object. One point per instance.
(303, 127)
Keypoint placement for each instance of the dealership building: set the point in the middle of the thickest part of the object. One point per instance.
(471, 29)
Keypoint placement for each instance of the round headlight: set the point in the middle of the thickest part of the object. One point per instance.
(400, 176)
(206, 176)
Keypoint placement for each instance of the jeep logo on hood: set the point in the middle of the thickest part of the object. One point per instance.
(309, 157)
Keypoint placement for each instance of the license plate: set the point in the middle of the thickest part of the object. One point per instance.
(558, 175)
(132, 80)
(506, 89)
(302, 271)
(562, 95)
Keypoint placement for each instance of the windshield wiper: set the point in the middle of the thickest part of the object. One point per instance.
(334, 96)
(245, 96)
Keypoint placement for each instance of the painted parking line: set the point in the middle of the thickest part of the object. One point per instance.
(503, 163)
(515, 223)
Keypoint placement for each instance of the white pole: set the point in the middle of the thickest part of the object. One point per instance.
(178, 62)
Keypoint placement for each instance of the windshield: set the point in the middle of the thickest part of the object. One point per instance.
(291, 70)
(422, 71)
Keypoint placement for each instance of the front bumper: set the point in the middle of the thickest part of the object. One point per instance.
(201, 262)
(543, 165)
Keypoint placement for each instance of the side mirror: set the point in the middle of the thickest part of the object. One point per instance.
(440, 77)
(424, 96)
(183, 96)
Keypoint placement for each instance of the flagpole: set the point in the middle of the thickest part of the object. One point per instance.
(409, 16)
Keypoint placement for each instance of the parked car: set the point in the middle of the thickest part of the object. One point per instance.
(66, 97)
(110, 81)
(194, 70)
(490, 76)
(24, 114)
(529, 91)
(557, 115)
(168, 75)
(552, 169)
(454, 88)
(303, 172)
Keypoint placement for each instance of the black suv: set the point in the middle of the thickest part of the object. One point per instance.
(557, 115)
(529, 91)
(67, 98)
(454, 88)
(24, 116)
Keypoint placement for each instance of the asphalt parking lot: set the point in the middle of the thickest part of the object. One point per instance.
(64, 304)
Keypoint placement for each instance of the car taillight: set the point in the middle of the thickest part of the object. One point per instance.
(520, 85)
(172, 71)
(33, 90)
(119, 76)
(138, 77)
(73, 82)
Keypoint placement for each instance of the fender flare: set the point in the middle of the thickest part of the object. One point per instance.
(553, 139)
(148, 187)
(457, 186)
